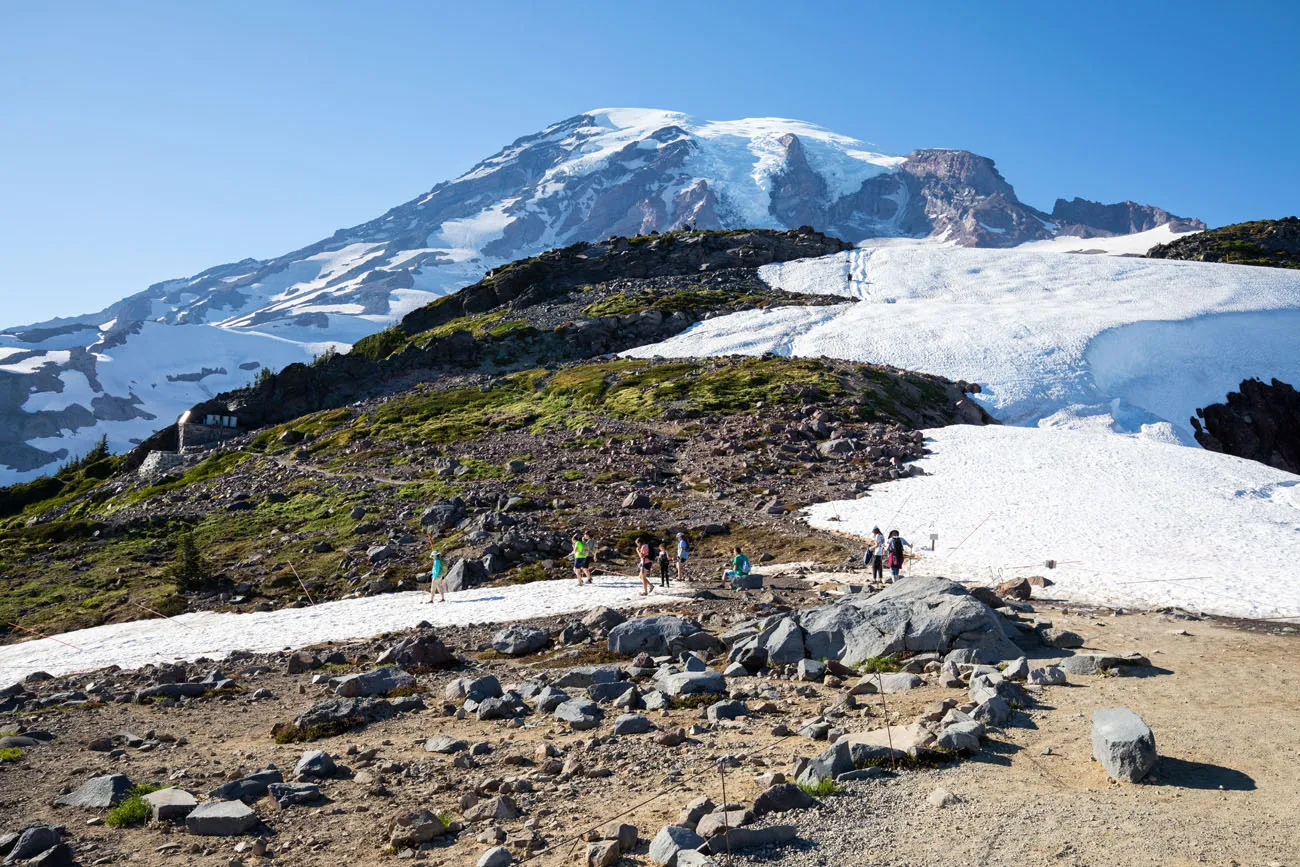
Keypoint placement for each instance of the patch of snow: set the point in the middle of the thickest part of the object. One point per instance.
(1128, 521)
(215, 635)
(76, 390)
(1135, 244)
(36, 362)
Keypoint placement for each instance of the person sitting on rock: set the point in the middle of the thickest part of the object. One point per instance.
(739, 565)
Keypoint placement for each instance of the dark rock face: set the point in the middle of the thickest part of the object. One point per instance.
(1260, 422)
(1092, 219)
(1268, 243)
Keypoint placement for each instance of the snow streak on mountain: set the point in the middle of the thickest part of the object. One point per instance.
(132, 367)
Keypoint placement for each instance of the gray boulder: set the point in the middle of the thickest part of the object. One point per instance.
(581, 714)
(465, 574)
(549, 699)
(170, 803)
(602, 618)
(1061, 638)
(727, 710)
(782, 798)
(670, 840)
(961, 737)
(315, 765)
(519, 640)
(1048, 675)
(693, 683)
(659, 635)
(1099, 663)
(97, 793)
(221, 819)
(836, 760)
(609, 691)
(32, 840)
(632, 724)
(783, 641)
(419, 651)
(445, 744)
(994, 711)
(291, 794)
(898, 681)
(584, 676)
(1123, 744)
(482, 688)
(251, 786)
(497, 856)
(444, 515)
(916, 615)
(381, 681)
(749, 838)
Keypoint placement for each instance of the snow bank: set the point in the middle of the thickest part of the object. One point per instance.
(1135, 344)
(1128, 521)
(190, 636)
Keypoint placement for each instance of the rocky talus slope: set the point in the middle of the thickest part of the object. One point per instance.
(1269, 243)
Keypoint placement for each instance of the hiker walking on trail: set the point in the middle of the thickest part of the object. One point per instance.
(683, 554)
(895, 555)
(643, 566)
(739, 565)
(437, 578)
(663, 561)
(876, 555)
(580, 558)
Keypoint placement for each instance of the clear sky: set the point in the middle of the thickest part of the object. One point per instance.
(141, 141)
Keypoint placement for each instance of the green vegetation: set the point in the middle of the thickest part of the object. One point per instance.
(528, 573)
(819, 789)
(695, 298)
(288, 733)
(10, 754)
(132, 810)
(382, 344)
(78, 476)
(190, 571)
(879, 665)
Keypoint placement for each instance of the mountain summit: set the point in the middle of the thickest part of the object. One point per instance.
(132, 367)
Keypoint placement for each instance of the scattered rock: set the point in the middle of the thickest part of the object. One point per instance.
(170, 803)
(97, 793)
(221, 819)
(519, 640)
(1123, 744)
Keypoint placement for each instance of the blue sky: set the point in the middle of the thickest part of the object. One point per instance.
(146, 140)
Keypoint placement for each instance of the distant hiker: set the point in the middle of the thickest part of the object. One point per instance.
(663, 561)
(643, 565)
(579, 555)
(683, 554)
(895, 552)
(739, 565)
(589, 551)
(876, 555)
(437, 578)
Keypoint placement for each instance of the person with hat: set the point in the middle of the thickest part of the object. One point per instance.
(437, 577)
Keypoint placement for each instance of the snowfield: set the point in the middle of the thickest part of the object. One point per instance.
(1061, 339)
(1101, 361)
(1128, 521)
(207, 634)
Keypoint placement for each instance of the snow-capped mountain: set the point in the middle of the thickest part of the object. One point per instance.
(132, 367)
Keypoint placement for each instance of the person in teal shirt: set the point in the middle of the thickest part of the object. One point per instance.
(437, 578)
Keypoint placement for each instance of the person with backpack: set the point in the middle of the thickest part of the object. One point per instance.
(643, 565)
(683, 553)
(663, 562)
(895, 554)
(739, 565)
(437, 578)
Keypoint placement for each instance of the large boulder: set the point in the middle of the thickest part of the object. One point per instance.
(659, 635)
(1123, 744)
(519, 640)
(782, 798)
(421, 650)
(221, 819)
(464, 574)
(919, 615)
(670, 840)
(97, 793)
(381, 681)
(170, 803)
(444, 515)
(693, 683)
(836, 760)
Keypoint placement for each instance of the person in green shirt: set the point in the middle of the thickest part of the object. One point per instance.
(739, 565)
(581, 557)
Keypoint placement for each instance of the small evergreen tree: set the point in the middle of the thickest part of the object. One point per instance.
(190, 570)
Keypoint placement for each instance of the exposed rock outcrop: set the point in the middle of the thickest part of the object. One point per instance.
(1260, 422)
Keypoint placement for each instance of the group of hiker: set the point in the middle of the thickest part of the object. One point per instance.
(885, 551)
(882, 552)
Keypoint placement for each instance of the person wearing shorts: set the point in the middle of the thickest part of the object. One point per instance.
(580, 559)
(683, 554)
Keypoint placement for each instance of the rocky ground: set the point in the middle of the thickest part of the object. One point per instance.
(545, 784)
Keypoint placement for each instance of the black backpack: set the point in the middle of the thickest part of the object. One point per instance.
(896, 548)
